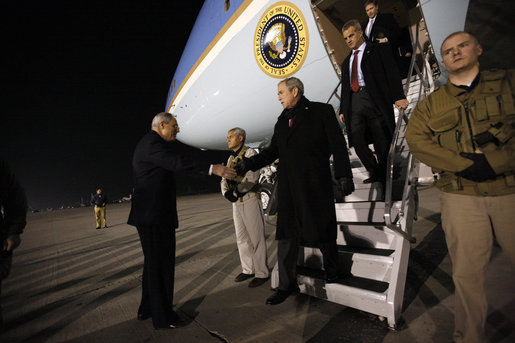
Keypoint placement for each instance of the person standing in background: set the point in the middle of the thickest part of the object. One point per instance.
(99, 200)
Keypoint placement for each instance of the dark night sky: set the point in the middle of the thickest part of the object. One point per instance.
(84, 80)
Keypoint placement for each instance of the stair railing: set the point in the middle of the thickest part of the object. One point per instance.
(402, 120)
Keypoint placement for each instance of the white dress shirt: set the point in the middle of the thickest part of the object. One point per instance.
(369, 26)
(361, 49)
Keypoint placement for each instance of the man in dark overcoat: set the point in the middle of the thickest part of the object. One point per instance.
(305, 136)
(383, 28)
(13, 218)
(370, 88)
(380, 27)
(154, 213)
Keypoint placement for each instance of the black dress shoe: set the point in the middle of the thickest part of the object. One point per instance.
(258, 281)
(371, 179)
(242, 277)
(142, 316)
(97, 228)
(176, 322)
(278, 297)
(166, 327)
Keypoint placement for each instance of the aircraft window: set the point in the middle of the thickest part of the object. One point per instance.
(227, 5)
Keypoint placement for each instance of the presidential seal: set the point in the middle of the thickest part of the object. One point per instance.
(281, 40)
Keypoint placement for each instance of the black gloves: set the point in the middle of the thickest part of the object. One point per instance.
(230, 196)
(346, 185)
(242, 166)
(497, 131)
(480, 171)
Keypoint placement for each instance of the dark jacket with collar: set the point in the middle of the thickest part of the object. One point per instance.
(154, 165)
(99, 200)
(305, 194)
(384, 26)
(382, 81)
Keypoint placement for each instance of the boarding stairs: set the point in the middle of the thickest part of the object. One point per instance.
(374, 230)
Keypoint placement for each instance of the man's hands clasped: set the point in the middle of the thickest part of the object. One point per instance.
(229, 195)
(480, 171)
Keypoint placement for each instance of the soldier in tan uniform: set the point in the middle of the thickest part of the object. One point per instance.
(464, 130)
(247, 213)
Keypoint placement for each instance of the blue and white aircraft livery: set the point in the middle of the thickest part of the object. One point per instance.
(239, 50)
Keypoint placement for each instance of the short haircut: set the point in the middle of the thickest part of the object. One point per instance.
(293, 82)
(352, 23)
(239, 132)
(474, 38)
(368, 2)
(161, 117)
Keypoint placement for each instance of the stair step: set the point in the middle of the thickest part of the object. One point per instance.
(365, 251)
(366, 236)
(309, 276)
(361, 212)
(356, 292)
(369, 263)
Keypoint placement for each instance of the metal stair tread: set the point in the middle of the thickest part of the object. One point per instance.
(369, 285)
(364, 250)
(346, 249)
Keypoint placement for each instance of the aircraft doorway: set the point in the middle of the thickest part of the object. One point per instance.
(332, 14)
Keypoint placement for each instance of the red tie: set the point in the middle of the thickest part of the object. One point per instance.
(354, 77)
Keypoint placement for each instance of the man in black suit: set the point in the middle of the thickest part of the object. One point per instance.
(370, 86)
(383, 28)
(305, 136)
(154, 213)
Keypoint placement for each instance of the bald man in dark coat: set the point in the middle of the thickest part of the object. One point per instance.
(154, 213)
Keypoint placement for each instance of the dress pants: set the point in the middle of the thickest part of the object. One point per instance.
(366, 121)
(469, 223)
(287, 255)
(158, 244)
(250, 235)
(100, 216)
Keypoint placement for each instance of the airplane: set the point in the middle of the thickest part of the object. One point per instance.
(238, 52)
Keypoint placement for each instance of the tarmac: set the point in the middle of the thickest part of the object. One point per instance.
(72, 283)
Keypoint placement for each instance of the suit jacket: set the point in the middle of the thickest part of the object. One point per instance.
(384, 26)
(154, 165)
(305, 194)
(382, 81)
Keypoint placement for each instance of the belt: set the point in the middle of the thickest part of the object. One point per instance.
(248, 195)
(360, 89)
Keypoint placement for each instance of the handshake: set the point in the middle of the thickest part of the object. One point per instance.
(345, 183)
(240, 168)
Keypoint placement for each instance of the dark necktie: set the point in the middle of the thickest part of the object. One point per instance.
(354, 76)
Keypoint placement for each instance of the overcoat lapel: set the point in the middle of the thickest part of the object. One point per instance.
(300, 116)
(366, 55)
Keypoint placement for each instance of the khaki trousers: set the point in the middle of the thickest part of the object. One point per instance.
(469, 223)
(250, 235)
(100, 215)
